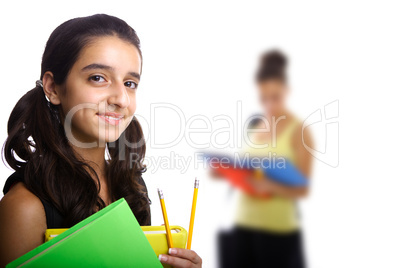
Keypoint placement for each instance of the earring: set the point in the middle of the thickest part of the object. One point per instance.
(40, 84)
(46, 97)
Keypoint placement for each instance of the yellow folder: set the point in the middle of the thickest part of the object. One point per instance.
(156, 236)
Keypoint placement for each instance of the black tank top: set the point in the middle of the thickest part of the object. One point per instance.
(54, 218)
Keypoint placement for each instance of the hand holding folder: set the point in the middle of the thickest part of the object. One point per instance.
(111, 237)
(238, 170)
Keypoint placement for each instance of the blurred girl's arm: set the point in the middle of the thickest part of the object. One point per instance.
(303, 163)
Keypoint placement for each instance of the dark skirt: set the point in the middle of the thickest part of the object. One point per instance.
(243, 247)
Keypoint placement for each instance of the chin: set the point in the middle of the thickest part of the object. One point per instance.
(108, 138)
(110, 134)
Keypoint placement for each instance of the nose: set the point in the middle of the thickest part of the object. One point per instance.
(119, 96)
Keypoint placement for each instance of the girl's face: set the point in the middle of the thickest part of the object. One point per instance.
(99, 95)
(272, 94)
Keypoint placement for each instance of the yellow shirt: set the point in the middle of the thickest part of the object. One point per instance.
(276, 214)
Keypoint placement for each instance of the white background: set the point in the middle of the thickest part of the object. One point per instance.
(201, 57)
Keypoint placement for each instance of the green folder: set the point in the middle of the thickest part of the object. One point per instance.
(111, 237)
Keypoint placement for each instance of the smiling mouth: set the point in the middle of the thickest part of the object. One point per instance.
(112, 119)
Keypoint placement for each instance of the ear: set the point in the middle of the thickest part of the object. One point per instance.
(50, 88)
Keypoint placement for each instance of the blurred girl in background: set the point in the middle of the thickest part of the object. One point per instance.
(267, 231)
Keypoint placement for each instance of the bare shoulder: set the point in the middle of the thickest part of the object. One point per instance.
(19, 201)
(22, 223)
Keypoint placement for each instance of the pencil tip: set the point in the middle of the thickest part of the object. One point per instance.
(160, 193)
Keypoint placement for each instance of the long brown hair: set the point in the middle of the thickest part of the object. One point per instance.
(37, 145)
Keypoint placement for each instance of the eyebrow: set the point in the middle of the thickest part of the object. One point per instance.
(106, 67)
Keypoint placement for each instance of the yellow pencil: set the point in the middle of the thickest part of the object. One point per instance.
(165, 218)
(190, 229)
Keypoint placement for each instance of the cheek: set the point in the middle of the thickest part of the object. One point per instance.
(84, 118)
(281, 101)
(80, 96)
(263, 96)
(133, 105)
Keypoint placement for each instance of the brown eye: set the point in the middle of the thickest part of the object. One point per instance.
(97, 78)
(131, 84)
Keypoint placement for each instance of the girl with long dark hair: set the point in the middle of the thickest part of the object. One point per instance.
(81, 109)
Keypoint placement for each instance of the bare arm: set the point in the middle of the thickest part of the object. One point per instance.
(303, 163)
(22, 223)
(304, 160)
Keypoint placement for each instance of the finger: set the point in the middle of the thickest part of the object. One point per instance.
(185, 254)
(176, 261)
